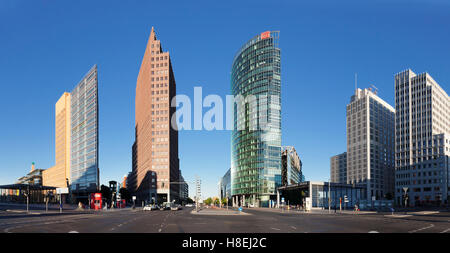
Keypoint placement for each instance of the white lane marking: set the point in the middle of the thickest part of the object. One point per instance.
(398, 215)
(373, 232)
(73, 232)
(420, 229)
(276, 229)
(293, 227)
(425, 212)
(159, 230)
(445, 231)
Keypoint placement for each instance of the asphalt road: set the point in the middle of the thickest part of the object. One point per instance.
(258, 221)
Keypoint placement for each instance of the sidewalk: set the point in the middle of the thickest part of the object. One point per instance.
(218, 211)
(35, 207)
(313, 211)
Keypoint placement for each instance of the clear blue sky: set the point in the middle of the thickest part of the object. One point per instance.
(47, 46)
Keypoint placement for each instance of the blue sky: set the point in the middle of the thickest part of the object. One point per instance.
(47, 46)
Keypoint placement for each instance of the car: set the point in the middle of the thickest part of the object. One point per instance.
(189, 205)
(151, 207)
(174, 207)
(165, 206)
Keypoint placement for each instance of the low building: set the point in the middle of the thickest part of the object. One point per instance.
(34, 177)
(316, 193)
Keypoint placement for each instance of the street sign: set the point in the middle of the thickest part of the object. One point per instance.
(62, 190)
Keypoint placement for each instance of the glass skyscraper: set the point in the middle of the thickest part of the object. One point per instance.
(256, 151)
(84, 171)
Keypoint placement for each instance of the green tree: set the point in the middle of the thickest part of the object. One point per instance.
(216, 201)
(208, 201)
(224, 201)
(189, 201)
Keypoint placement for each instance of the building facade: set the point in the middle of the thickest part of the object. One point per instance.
(59, 175)
(76, 139)
(318, 194)
(338, 168)
(84, 167)
(156, 142)
(34, 177)
(256, 149)
(370, 144)
(184, 189)
(422, 140)
(225, 186)
(291, 166)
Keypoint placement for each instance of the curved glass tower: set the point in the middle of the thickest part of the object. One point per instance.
(256, 136)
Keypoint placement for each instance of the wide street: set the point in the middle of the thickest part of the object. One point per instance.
(220, 221)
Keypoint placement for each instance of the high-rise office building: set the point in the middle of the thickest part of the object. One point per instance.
(256, 150)
(422, 123)
(155, 150)
(338, 168)
(59, 174)
(291, 166)
(76, 139)
(84, 169)
(370, 144)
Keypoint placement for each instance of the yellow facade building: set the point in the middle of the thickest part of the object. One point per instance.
(56, 176)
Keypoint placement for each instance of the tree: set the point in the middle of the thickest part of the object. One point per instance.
(208, 201)
(216, 201)
(189, 201)
(224, 201)
(125, 194)
(106, 192)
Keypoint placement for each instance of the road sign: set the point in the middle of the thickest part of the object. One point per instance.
(62, 190)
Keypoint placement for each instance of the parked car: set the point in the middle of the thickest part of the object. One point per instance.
(174, 207)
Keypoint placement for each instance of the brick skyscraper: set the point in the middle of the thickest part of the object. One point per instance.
(155, 172)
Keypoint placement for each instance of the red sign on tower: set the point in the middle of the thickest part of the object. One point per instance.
(265, 35)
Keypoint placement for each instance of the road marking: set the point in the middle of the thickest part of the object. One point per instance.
(293, 227)
(159, 230)
(373, 232)
(73, 232)
(398, 215)
(420, 229)
(425, 212)
(276, 229)
(445, 231)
